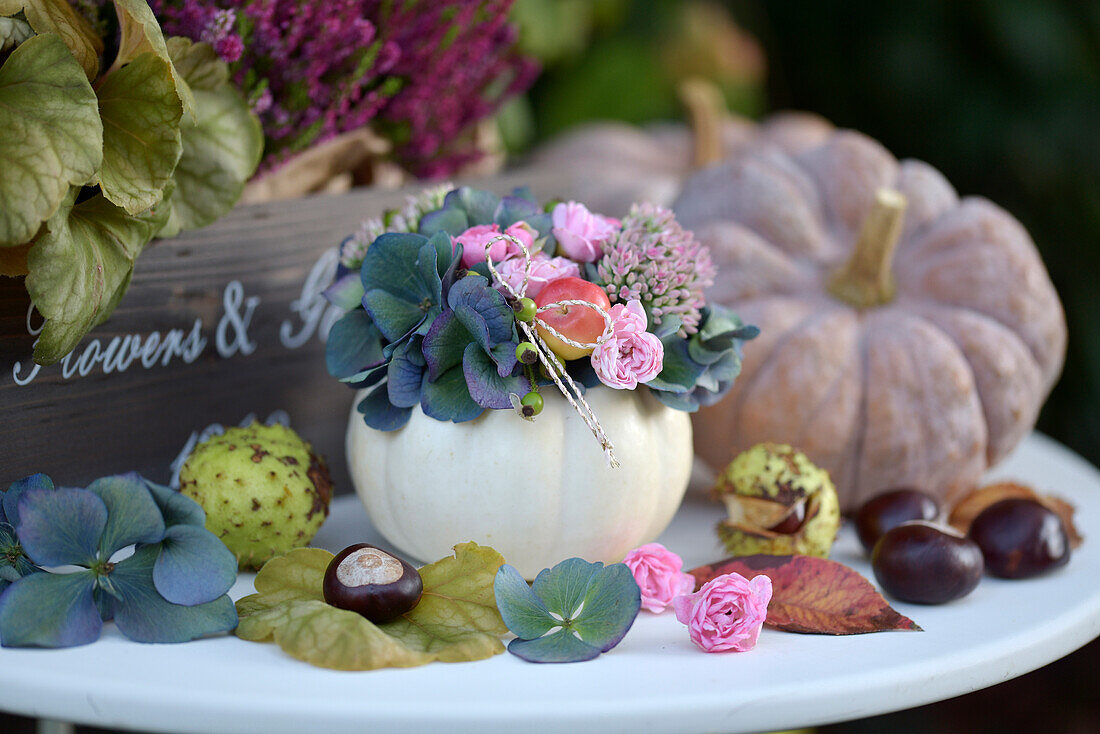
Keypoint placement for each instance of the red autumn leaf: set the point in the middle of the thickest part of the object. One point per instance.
(814, 595)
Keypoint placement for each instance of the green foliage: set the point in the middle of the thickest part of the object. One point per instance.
(456, 619)
(100, 163)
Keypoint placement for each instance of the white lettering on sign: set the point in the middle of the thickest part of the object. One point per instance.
(315, 317)
(313, 310)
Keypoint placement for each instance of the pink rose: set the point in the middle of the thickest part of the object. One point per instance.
(523, 232)
(474, 240)
(629, 354)
(581, 233)
(543, 270)
(727, 613)
(660, 576)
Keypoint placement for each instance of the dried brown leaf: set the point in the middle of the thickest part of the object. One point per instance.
(972, 505)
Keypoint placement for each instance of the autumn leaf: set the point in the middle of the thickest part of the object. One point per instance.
(814, 595)
(456, 619)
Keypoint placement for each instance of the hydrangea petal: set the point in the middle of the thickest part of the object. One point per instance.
(479, 205)
(380, 414)
(132, 514)
(559, 647)
(143, 615)
(176, 508)
(513, 209)
(9, 508)
(61, 526)
(405, 374)
(611, 604)
(395, 317)
(444, 220)
(523, 612)
(444, 344)
(193, 567)
(448, 398)
(354, 344)
(486, 387)
(49, 610)
(346, 291)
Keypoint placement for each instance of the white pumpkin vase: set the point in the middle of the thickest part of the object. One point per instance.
(539, 492)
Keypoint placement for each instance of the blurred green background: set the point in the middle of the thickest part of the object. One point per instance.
(1003, 96)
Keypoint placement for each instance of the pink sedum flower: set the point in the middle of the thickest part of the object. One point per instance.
(726, 613)
(544, 269)
(475, 238)
(660, 576)
(628, 354)
(582, 234)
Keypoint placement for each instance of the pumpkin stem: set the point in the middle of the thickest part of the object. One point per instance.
(706, 108)
(867, 278)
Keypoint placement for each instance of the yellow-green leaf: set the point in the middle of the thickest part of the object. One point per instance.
(456, 619)
(50, 135)
(80, 265)
(139, 32)
(222, 144)
(141, 132)
(58, 16)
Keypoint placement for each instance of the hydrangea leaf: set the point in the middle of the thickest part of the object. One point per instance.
(9, 506)
(452, 221)
(62, 526)
(49, 610)
(380, 414)
(592, 607)
(140, 33)
(448, 398)
(176, 508)
(193, 567)
(59, 17)
(456, 619)
(143, 615)
(132, 513)
(53, 137)
(487, 388)
(346, 291)
(79, 265)
(405, 374)
(354, 345)
(222, 143)
(141, 115)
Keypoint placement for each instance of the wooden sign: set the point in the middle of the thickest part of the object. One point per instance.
(218, 324)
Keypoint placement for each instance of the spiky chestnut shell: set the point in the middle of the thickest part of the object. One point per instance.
(779, 503)
(263, 489)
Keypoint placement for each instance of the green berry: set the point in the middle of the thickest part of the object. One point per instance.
(526, 353)
(525, 309)
(533, 401)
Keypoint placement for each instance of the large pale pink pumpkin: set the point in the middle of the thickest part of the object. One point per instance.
(909, 337)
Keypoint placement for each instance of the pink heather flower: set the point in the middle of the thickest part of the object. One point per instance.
(543, 270)
(581, 233)
(726, 613)
(628, 354)
(660, 576)
(655, 260)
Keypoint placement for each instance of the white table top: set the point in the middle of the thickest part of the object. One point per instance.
(654, 681)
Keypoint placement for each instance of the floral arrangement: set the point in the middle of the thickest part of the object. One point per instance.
(113, 135)
(465, 301)
(421, 72)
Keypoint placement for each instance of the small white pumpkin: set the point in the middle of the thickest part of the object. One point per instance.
(539, 492)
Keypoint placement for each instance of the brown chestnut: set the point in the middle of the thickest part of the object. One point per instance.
(1020, 538)
(368, 580)
(926, 564)
(890, 509)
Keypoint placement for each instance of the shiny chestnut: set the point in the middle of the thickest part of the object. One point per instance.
(888, 510)
(378, 585)
(926, 564)
(1020, 538)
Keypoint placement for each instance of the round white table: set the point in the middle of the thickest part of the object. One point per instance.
(654, 681)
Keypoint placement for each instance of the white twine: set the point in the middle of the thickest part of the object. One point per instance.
(550, 363)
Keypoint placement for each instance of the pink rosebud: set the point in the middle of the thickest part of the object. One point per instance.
(523, 232)
(726, 613)
(474, 240)
(660, 576)
(628, 354)
(543, 270)
(581, 233)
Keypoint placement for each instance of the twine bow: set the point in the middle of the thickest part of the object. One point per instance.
(549, 361)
